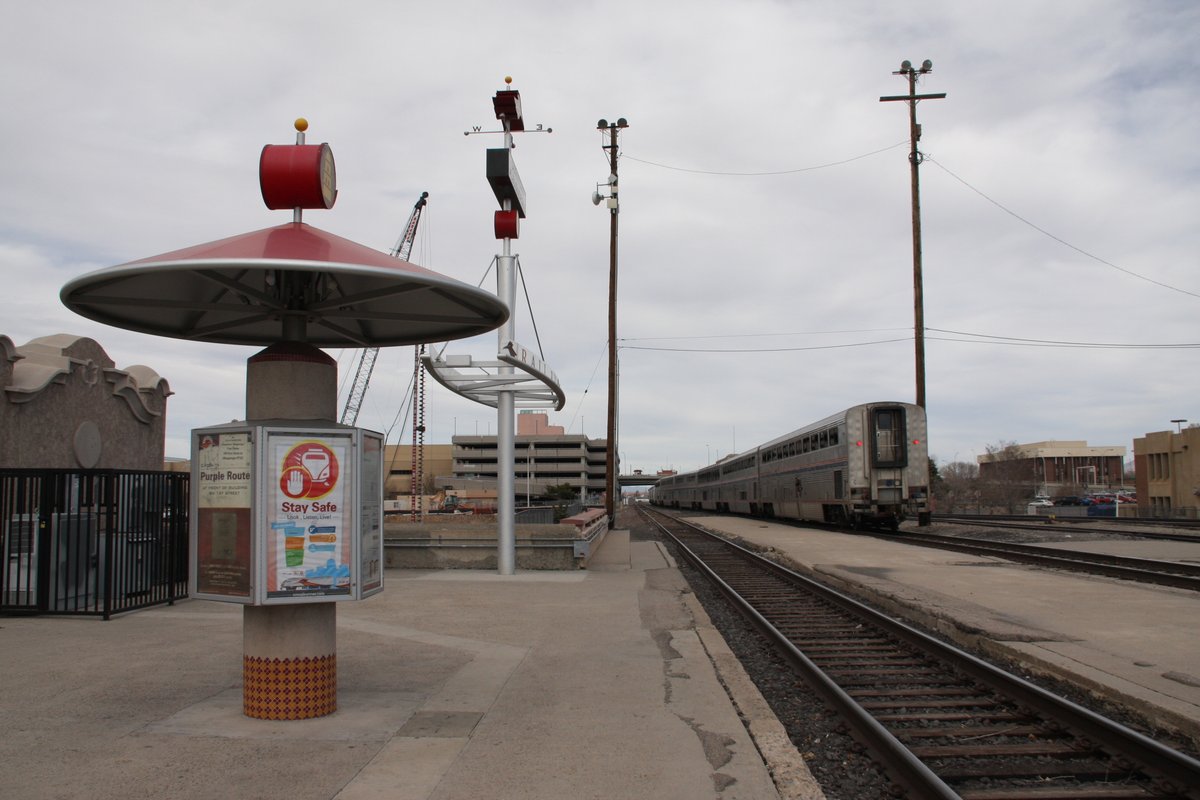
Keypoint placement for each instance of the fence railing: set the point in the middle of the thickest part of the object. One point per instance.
(92, 541)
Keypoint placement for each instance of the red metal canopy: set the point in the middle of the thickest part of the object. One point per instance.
(291, 282)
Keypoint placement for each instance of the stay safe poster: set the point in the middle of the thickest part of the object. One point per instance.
(308, 536)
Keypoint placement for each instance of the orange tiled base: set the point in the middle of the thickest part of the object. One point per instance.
(289, 688)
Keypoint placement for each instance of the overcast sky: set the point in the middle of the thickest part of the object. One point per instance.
(766, 273)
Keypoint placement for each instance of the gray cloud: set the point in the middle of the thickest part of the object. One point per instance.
(135, 129)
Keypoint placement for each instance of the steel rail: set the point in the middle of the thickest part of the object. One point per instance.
(902, 764)
(1175, 771)
(1143, 570)
(1076, 524)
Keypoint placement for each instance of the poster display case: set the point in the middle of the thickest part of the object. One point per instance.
(286, 514)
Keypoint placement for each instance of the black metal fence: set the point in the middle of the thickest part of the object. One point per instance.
(92, 541)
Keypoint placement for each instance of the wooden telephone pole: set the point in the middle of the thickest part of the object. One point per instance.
(611, 482)
(914, 158)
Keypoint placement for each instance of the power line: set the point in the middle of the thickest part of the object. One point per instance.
(1061, 241)
(766, 349)
(757, 335)
(974, 338)
(600, 357)
(1016, 341)
(770, 172)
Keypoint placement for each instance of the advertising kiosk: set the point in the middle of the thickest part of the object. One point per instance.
(286, 514)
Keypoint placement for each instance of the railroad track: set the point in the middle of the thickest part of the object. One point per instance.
(1144, 570)
(943, 723)
(1187, 532)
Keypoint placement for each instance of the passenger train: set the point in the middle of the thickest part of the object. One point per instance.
(865, 466)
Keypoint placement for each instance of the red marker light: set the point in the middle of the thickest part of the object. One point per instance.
(858, 443)
(916, 441)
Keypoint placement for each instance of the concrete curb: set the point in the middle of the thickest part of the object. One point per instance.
(791, 775)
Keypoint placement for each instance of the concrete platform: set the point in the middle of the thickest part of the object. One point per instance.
(606, 683)
(1134, 643)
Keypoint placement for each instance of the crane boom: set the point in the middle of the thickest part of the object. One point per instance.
(366, 362)
(404, 246)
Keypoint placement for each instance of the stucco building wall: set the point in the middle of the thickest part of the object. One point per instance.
(65, 405)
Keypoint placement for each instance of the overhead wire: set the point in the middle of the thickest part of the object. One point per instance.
(1016, 341)
(1050, 235)
(529, 306)
(756, 335)
(599, 358)
(767, 172)
(973, 338)
(764, 349)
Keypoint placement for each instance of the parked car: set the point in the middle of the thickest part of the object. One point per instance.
(1071, 500)
(1041, 501)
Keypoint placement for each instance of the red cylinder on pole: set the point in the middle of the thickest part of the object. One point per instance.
(507, 225)
(297, 176)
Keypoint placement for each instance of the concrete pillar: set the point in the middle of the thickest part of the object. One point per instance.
(289, 652)
(291, 381)
(289, 661)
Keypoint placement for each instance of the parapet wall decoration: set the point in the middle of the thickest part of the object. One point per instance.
(65, 405)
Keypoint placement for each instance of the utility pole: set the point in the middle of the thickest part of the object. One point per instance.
(914, 158)
(612, 489)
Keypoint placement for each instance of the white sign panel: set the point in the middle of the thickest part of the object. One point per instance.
(309, 527)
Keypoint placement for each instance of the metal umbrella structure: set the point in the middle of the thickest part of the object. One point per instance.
(293, 282)
(293, 289)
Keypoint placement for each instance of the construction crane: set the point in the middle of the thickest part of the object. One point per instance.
(366, 362)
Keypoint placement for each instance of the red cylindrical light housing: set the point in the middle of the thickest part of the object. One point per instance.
(507, 225)
(297, 176)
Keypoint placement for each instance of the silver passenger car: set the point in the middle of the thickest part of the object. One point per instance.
(866, 465)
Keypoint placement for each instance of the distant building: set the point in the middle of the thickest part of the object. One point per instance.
(544, 455)
(65, 405)
(1058, 466)
(536, 423)
(467, 469)
(1168, 473)
(438, 459)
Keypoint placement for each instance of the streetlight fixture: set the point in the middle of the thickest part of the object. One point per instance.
(1179, 425)
(610, 468)
(914, 158)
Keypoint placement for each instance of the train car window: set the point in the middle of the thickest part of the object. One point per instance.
(889, 437)
(833, 436)
(824, 438)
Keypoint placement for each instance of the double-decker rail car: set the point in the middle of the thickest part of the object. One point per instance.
(867, 465)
